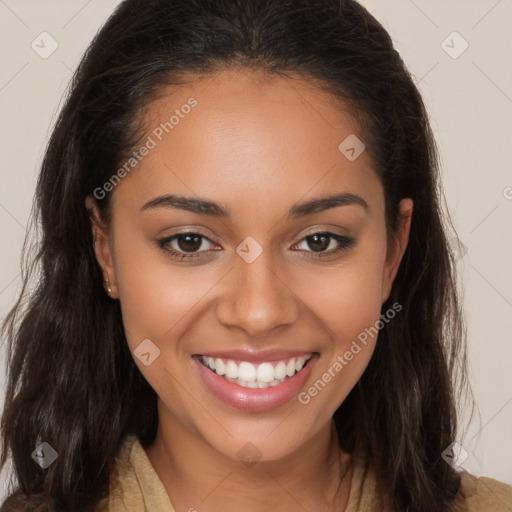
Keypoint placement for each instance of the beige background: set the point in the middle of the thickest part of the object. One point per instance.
(470, 102)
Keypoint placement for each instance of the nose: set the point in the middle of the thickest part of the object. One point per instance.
(257, 299)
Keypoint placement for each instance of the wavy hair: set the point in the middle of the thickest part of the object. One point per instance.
(72, 380)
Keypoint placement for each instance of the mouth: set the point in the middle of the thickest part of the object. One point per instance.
(255, 382)
(262, 375)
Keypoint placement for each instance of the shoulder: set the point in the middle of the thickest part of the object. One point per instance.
(134, 483)
(483, 494)
(476, 494)
(122, 475)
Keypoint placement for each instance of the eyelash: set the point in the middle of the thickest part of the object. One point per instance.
(345, 243)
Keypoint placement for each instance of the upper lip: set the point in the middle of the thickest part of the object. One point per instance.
(256, 356)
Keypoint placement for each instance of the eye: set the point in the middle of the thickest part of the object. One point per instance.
(190, 245)
(184, 246)
(321, 241)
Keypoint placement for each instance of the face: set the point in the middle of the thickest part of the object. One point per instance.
(267, 282)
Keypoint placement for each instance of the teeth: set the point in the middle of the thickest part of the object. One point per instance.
(290, 367)
(280, 371)
(231, 370)
(246, 371)
(300, 363)
(220, 367)
(248, 375)
(265, 373)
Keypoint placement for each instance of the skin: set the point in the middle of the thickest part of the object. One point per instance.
(256, 145)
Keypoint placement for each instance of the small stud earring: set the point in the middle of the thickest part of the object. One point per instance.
(106, 285)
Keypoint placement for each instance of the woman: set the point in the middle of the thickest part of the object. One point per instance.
(246, 299)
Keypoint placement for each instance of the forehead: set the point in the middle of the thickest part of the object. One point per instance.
(243, 135)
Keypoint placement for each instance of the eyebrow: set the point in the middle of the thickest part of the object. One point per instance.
(212, 209)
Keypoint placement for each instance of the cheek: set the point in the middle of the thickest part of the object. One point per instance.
(157, 299)
(348, 304)
(347, 298)
(351, 317)
(155, 294)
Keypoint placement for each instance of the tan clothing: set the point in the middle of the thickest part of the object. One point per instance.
(136, 487)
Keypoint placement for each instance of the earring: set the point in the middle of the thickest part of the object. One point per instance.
(106, 285)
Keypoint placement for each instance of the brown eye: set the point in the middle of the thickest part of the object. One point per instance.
(189, 242)
(326, 243)
(318, 242)
(185, 246)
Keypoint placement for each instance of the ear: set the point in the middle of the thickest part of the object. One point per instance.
(396, 247)
(102, 248)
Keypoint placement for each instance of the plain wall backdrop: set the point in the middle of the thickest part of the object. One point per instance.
(459, 53)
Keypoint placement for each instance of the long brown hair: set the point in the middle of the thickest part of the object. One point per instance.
(72, 381)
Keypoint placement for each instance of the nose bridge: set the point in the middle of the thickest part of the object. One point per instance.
(257, 299)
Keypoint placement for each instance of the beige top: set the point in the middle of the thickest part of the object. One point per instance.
(136, 487)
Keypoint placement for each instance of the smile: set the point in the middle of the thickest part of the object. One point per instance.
(268, 380)
(261, 375)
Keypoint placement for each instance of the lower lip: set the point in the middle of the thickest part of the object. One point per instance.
(255, 399)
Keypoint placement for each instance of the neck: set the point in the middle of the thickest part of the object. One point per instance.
(316, 477)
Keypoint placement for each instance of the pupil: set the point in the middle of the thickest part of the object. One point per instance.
(317, 244)
(193, 242)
